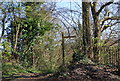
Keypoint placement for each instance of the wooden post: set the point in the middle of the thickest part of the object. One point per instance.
(63, 53)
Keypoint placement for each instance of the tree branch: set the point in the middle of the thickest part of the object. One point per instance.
(102, 7)
(109, 18)
(106, 26)
(115, 42)
(93, 7)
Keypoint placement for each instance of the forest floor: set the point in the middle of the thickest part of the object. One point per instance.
(74, 72)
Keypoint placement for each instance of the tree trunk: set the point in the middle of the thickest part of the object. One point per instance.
(86, 29)
(96, 34)
(16, 35)
(3, 27)
(96, 31)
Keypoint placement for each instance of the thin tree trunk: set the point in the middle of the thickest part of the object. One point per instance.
(16, 37)
(3, 27)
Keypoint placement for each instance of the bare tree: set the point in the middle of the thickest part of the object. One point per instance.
(99, 23)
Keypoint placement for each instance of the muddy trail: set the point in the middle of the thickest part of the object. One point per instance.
(75, 72)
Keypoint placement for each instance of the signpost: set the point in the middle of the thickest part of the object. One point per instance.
(63, 53)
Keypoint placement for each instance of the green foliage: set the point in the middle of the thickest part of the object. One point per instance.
(6, 53)
(77, 57)
(65, 75)
(86, 61)
(45, 52)
(10, 69)
(36, 50)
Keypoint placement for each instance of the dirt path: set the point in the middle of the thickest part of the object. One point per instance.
(86, 72)
(75, 72)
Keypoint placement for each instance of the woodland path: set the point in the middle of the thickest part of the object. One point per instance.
(75, 72)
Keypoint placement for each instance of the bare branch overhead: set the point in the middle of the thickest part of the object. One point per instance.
(103, 6)
(109, 25)
(109, 18)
